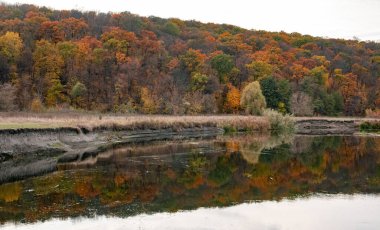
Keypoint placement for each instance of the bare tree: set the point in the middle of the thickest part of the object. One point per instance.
(302, 104)
(7, 97)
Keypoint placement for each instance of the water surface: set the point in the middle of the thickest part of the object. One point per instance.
(245, 182)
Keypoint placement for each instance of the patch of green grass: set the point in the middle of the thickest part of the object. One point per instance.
(229, 129)
(370, 127)
(24, 125)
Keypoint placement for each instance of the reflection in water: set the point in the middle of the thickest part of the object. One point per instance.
(172, 176)
(319, 212)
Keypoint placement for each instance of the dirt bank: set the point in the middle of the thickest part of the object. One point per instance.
(329, 125)
(29, 152)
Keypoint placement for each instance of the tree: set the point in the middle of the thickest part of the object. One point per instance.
(302, 104)
(73, 28)
(232, 103)
(7, 97)
(148, 104)
(51, 31)
(252, 99)
(77, 94)
(11, 46)
(277, 93)
(298, 72)
(48, 65)
(198, 82)
(223, 64)
(171, 28)
(193, 60)
(258, 70)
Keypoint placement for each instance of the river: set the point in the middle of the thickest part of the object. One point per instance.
(240, 181)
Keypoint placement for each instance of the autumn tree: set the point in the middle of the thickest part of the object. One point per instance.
(232, 103)
(11, 46)
(73, 28)
(298, 72)
(258, 70)
(47, 68)
(252, 99)
(193, 60)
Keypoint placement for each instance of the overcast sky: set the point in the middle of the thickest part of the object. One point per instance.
(326, 18)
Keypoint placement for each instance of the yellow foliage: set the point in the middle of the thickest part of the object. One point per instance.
(36, 105)
(232, 100)
(10, 192)
(148, 104)
(11, 46)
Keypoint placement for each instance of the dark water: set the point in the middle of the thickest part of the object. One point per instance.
(242, 182)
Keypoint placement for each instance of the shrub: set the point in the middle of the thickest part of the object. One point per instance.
(279, 123)
(36, 105)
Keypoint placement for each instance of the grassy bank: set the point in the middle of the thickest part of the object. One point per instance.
(95, 121)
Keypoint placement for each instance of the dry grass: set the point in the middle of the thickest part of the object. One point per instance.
(93, 121)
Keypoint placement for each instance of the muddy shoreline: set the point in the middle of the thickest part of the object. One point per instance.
(26, 153)
(32, 152)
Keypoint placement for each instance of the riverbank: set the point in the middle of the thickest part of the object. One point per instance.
(33, 144)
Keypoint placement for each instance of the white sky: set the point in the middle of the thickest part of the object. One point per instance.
(326, 18)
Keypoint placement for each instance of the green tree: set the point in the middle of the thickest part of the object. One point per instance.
(252, 99)
(223, 64)
(258, 70)
(198, 82)
(77, 94)
(277, 93)
(171, 28)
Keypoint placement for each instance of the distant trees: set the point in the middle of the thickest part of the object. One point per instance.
(123, 62)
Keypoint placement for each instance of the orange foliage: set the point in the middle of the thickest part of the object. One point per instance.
(232, 99)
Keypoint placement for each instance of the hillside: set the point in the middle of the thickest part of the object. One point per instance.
(122, 62)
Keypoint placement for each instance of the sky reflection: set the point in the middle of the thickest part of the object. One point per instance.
(316, 212)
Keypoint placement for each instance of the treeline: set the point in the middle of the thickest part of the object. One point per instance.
(122, 62)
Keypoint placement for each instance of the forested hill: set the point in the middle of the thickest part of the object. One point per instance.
(122, 62)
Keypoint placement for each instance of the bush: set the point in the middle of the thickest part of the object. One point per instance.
(279, 123)
(252, 99)
(36, 105)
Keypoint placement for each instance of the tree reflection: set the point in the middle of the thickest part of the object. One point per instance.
(188, 175)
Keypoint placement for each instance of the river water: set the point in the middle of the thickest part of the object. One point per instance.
(242, 182)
